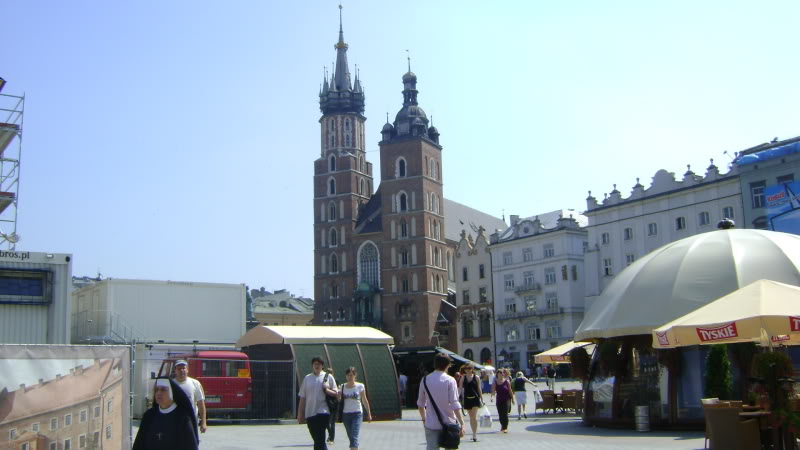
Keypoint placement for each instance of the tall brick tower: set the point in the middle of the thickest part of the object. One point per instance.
(413, 249)
(342, 185)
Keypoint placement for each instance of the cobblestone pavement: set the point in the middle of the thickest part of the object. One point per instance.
(551, 432)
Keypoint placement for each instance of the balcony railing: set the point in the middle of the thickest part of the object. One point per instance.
(103, 327)
(528, 287)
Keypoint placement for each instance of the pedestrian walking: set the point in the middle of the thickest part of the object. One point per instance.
(403, 381)
(193, 390)
(551, 377)
(505, 398)
(170, 424)
(473, 400)
(332, 419)
(354, 396)
(313, 409)
(443, 397)
(520, 395)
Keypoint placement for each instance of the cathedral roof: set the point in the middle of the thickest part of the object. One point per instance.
(369, 219)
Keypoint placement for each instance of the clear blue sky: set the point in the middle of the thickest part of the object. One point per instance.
(175, 140)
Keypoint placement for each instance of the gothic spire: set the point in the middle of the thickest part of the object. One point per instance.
(342, 71)
(341, 95)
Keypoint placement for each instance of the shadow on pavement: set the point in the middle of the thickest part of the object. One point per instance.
(577, 428)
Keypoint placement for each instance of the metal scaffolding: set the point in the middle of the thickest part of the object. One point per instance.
(11, 117)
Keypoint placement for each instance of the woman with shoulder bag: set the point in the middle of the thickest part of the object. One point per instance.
(469, 384)
(354, 399)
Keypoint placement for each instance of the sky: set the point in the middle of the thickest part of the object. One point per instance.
(176, 140)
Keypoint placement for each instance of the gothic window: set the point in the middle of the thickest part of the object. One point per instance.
(403, 202)
(401, 168)
(486, 355)
(333, 140)
(334, 264)
(403, 257)
(332, 164)
(404, 285)
(436, 230)
(332, 211)
(368, 264)
(331, 187)
(437, 170)
(334, 237)
(426, 166)
(334, 290)
(430, 169)
(361, 186)
(347, 125)
(468, 354)
(340, 314)
(361, 165)
(403, 229)
(332, 123)
(437, 257)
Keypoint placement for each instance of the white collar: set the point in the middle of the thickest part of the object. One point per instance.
(168, 410)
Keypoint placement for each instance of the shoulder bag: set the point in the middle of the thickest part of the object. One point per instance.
(450, 435)
(331, 400)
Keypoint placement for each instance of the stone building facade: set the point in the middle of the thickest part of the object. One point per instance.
(474, 331)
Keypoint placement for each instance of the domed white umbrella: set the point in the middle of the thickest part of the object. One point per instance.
(684, 275)
(762, 308)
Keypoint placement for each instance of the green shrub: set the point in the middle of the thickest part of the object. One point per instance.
(719, 382)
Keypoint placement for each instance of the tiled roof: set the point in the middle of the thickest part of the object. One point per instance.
(82, 385)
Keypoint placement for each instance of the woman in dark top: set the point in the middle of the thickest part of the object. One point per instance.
(469, 385)
(170, 424)
(521, 395)
(505, 398)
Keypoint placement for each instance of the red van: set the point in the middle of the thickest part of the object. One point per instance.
(225, 376)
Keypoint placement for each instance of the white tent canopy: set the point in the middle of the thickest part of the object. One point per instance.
(682, 276)
(263, 334)
(559, 355)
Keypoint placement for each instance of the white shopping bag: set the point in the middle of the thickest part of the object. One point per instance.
(539, 398)
(485, 417)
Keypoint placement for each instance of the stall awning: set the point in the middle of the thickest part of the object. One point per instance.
(313, 335)
(560, 354)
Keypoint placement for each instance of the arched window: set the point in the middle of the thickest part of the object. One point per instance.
(403, 229)
(468, 354)
(347, 125)
(403, 202)
(334, 263)
(334, 237)
(361, 186)
(361, 165)
(486, 355)
(431, 172)
(401, 168)
(331, 187)
(332, 212)
(368, 264)
(340, 315)
(332, 164)
(437, 257)
(436, 229)
(437, 170)
(347, 140)
(332, 124)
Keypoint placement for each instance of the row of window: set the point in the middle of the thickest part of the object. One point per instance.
(548, 251)
(530, 304)
(757, 189)
(484, 327)
(550, 277)
(361, 165)
(330, 133)
(483, 296)
(481, 272)
(533, 332)
(67, 442)
(608, 264)
(703, 219)
(363, 187)
(341, 315)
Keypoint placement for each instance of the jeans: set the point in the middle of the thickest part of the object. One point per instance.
(332, 427)
(502, 410)
(352, 425)
(316, 427)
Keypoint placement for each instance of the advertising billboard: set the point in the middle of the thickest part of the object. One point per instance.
(783, 207)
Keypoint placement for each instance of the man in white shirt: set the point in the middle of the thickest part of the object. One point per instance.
(444, 392)
(403, 379)
(313, 409)
(194, 390)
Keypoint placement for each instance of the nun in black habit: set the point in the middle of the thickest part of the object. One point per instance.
(170, 424)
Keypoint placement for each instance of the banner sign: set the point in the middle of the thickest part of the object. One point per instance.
(783, 207)
(718, 333)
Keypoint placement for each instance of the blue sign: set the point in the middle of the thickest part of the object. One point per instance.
(783, 207)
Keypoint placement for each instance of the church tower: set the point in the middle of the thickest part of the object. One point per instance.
(413, 250)
(342, 184)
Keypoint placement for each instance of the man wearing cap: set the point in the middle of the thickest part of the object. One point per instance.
(193, 390)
